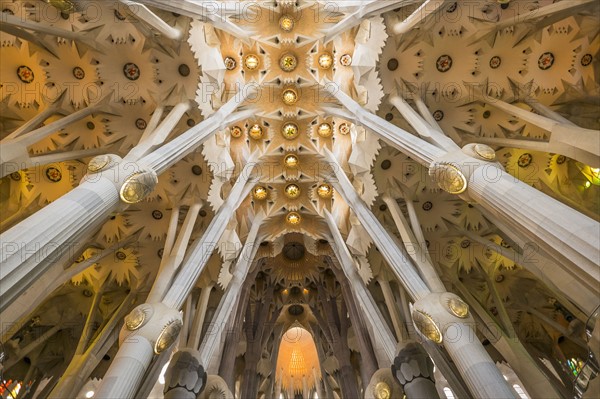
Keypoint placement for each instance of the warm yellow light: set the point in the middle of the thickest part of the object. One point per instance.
(289, 96)
(595, 172)
(288, 62)
(324, 130)
(587, 184)
(259, 193)
(291, 160)
(289, 130)
(236, 131)
(293, 218)
(251, 62)
(292, 191)
(458, 308)
(325, 191)
(255, 131)
(286, 23)
(325, 61)
(382, 391)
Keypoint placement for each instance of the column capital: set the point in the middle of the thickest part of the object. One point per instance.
(438, 313)
(156, 322)
(134, 180)
(453, 170)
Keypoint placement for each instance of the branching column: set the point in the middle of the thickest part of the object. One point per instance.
(176, 386)
(152, 328)
(560, 231)
(31, 246)
(438, 316)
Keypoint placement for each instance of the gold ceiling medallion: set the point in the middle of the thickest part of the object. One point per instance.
(291, 161)
(138, 316)
(449, 177)
(251, 62)
(486, 152)
(293, 218)
(286, 23)
(168, 336)
(458, 308)
(325, 191)
(288, 62)
(292, 191)
(290, 130)
(138, 186)
(425, 324)
(324, 130)
(98, 163)
(289, 96)
(325, 61)
(255, 131)
(259, 193)
(236, 132)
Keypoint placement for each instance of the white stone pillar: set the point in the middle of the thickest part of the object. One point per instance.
(212, 344)
(427, 131)
(473, 362)
(198, 322)
(366, 9)
(445, 319)
(384, 343)
(149, 329)
(565, 138)
(560, 231)
(391, 252)
(49, 233)
(151, 318)
(415, 251)
(565, 234)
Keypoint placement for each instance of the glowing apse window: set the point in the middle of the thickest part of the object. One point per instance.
(298, 362)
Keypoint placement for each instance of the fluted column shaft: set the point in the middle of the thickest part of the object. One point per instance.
(384, 343)
(560, 231)
(185, 280)
(29, 247)
(128, 366)
(56, 231)
(213, 338)
(478, 369)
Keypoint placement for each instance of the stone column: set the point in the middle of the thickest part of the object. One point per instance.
(565, 234)
(565, 137)
(149, 329)
(560, 231)
(383, 340)
(31, 246)
(479, 371)
(150, 318)
(143, 13)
